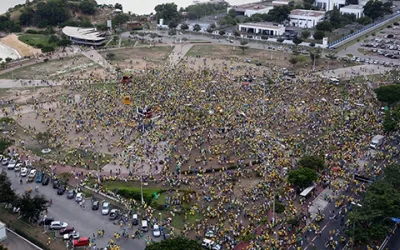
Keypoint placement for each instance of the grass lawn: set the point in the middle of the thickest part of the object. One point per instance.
(178, 221)
(35, 39)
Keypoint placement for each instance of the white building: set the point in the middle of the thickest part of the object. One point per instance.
(306, 18)
(251, 9)
(85, 36)
(263, 28)
(357, 10)
(3, 234)
(328, 5)
(280, 2)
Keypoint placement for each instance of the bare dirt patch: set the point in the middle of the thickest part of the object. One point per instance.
(22, 48)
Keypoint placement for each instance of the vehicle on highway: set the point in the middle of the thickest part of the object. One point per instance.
(72, 236)
(79, 197)
(60, 190)
(114, 214)
(31, 175)
(81, 242)
(105, 209)
(46, 221)
(11, 164)
(70, 194)
(67, 230)
(39, 177)
(58, 225)
(144, 226)
(46, 180)
(24, 172)
(5, 161)
(135, 219)
(156, 231)
(95, 205)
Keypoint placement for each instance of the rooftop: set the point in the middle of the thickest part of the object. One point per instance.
(313, 13)
(83, 33)
(353, 7)
(265, 25)
(252, 6)
(14, 242)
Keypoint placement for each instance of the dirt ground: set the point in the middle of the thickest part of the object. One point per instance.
(22, 48)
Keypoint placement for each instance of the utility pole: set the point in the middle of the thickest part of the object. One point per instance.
(141, 187)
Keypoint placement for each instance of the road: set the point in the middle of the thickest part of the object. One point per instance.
(85, 221)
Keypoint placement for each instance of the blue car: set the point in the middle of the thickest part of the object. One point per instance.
(39, 177)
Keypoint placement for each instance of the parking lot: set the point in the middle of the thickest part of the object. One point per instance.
(84, 220)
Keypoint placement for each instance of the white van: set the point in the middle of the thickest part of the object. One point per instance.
(334, 81)
(144, 226)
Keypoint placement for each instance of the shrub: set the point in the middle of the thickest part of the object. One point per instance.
(279, 207)
(134, 193)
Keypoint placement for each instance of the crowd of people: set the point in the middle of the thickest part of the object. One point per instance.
(229, 136)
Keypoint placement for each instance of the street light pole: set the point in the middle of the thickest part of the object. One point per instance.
(141, 187)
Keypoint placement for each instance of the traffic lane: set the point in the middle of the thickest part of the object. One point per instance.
(85, 221)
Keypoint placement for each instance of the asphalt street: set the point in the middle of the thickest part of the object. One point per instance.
(85, 221)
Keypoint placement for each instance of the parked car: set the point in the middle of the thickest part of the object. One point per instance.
(67, 230)
(105, 208)
(39, 177)
(46, 180)
(11, 164)
(81, 242)
(156, 231)
(95, 205)
(17, 167)
(46, 221)
(79, 197)
(135, 219)
(72, 236)
(60, 190)
(56, 184)
(31, 175)
(24, 172)
(114, 214)
(58, 225)
(70, 194)
(5, 161)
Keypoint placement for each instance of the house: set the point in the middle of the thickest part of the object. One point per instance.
(251, 9)
(306, 18)
(328, 5)
(134, 25)
(262, 28)
(357, 10)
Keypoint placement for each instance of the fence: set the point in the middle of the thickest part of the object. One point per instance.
(364, 30)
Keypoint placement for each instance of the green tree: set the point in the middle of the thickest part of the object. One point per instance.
(44, 138)
(315, 54)
(278, 14)
(312, 162)
(110, 56)
(213, 26)
(232, 12)
(2, 247)
(389, 94)
(308, 4)
(365, 20)
(243, 45)
(293, 60)
(168, 12)
(280, 39)
(64, 43)
(26, 17)
(173, 24)
(297, 41)
(118, 6)
(52, 12)
(302, 177)
(88, 7)
(31, 207)
(7, 194)
(172, 32)
(305, 34)
(374, 9)
(318, 35)
(174, 244)
(236, 33)
(8, 59)
(184, 26)
(221, 32)
(196, 27)
(120, 18)
(324, 26)
(312, 45)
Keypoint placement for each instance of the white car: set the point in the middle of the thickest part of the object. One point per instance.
(24, 171)
(156, 231)
(5, 161)
(105, 209)
(58, 225)
(17, 167)
(32, 174)
(79, 197)
(11, 164)
(74, 235)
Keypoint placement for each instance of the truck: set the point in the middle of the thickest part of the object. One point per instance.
(376, 141)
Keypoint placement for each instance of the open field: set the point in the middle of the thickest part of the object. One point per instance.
(35, 40)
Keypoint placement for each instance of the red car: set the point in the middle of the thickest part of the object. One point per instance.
(67, 230)
(81, 242)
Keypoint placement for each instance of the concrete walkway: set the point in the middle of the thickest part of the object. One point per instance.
(8, 83)
(97, 58)
(178, 53)
(349, 72)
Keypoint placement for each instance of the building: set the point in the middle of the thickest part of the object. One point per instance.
(134, 25)
(251, 9)
(328, 5)
(3, 234)
(306, 18)
(85, 36)
(357, 10)
(280, 2)
(268, 29)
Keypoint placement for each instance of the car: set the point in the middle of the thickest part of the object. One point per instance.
(105, 208)
(17, 167)
(209, 234)
(209, 244)
(81, 242)
(46, 221)
(56, 184)
(60, 190)
(24, 172)
(46, 180)
(5, 161)
(67, 230)
(11, 164)
(32, 175)
(72, 236)
(39, 177)
(58, 225)
(135, 219)
(156, 230)
(70, 194)
(95, 205)
(1, 157)
(114, 214)
(79, 197)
